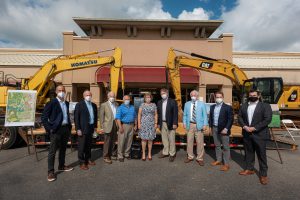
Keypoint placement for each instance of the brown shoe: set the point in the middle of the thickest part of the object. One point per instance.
(187, 160)
(65, 169)
(51, 176)
(263, 180)
(107, 160)
(84, 167)
(163, 156)
(247, 172)
(200, 162)
(91, 163)
(224, 168)
(172, 158)
(215, 163)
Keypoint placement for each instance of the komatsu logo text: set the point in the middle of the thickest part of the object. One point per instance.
(79, 64)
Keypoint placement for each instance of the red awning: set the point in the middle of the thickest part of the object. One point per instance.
(148, 75)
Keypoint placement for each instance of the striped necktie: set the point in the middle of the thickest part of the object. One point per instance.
(194, 112)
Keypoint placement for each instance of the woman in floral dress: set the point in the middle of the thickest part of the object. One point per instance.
(147, 124)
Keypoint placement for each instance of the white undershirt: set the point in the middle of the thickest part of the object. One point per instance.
(164, 109)
(113, 108)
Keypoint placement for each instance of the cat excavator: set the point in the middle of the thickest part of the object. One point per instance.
(42, 81)
(271, 88)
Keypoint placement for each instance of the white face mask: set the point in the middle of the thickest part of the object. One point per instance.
(219, 100)
(194, 98)
(126, 102)
(164, 96)
(61, 95)
(148, 100)
(111, 99)
(88, 98)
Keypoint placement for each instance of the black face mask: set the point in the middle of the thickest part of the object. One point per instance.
(253, 99)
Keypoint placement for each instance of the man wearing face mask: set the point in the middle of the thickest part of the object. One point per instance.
(107, 116)
(167, 123)
(220, 122)
(254, 118)
(126, 119)
(56, 121)
(85, 117)
(195, 122)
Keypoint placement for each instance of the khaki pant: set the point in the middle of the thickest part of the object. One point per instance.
(194, 133)
(125, 141)
(168, 140)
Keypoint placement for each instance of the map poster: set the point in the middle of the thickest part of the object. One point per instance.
(20, 108)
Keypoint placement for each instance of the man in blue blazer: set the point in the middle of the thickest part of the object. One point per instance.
(220, 122)
(56, 121)
(195, 122)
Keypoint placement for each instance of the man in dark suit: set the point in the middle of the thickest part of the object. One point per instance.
(85, 117)
(220, 122)
(167, 122)
(254, 118)
(56, 121)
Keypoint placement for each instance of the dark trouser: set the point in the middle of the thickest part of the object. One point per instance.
(254, 144)
(85, 146)
(59, 139)
(109, 146)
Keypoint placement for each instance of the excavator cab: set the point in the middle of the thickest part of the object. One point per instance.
(271, 88)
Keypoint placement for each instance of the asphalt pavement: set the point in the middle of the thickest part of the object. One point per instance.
(22, 177)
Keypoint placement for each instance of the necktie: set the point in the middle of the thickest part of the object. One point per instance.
(194, 112)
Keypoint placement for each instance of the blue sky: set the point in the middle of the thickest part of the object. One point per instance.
(175, 7)
(257, 25)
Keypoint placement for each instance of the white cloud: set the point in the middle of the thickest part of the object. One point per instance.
(266, 25)
(39, 24)
(196, 14)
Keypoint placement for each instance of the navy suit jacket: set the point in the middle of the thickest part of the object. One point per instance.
(52, 116)
(82, 117)
(171, 113)
(225, 118)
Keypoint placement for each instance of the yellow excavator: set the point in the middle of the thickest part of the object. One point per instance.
(42, 81)
(271, 88)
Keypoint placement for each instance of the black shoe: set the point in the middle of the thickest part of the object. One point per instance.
(172, 158)
(128, 157)
(121, 159)
(65, 169)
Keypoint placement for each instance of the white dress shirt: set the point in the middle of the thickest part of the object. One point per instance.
(164, 109)
(250, 111)
(192, 107)
(113, 108)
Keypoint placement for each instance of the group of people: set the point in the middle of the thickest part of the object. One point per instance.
(120, 122)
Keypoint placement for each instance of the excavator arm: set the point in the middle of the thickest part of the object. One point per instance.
(40, 81)
(199, 62)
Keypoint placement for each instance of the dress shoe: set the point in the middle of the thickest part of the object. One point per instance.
(247, 172)
(163, 156)
(143, 159)
(128, 157)
(149, 158)
(224, 168)
(121, 159)
(263, 180)
(65, 169)
(107, 160)
(172, 158)
(51, 177)
(215, 163)
(92, 163)
(84, 167)
(187, 160)
(200, 162)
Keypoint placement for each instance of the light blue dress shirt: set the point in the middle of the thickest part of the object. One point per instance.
(64, 110)
(217, 113)
(90, 108)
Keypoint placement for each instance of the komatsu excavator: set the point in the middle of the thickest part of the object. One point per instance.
(42, 81)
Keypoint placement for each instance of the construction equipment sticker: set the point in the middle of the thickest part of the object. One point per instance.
(206, 65)
(80, 64)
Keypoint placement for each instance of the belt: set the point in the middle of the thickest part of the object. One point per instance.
(192, 122)
(164, 121)
(127, 122)
(63, 125)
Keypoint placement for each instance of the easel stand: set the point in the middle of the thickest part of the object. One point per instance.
(277, 148)
(31, 143)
